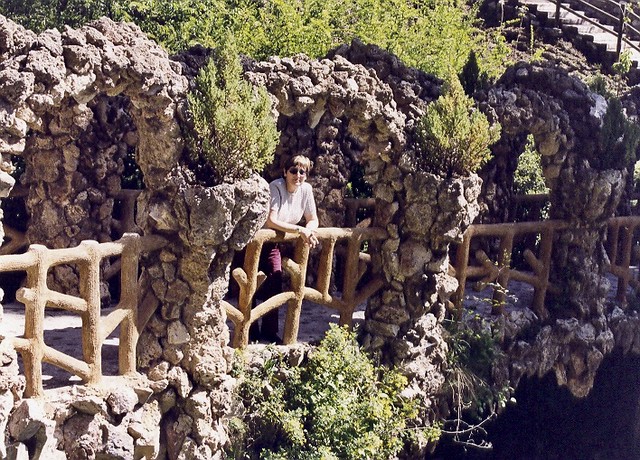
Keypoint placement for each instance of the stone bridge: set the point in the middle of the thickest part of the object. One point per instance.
(75, 105)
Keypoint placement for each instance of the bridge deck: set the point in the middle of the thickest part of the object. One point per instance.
(63, 329)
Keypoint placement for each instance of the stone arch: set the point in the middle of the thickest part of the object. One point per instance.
(565, 118)
(355, 107)
(361, 104)
(57, 88)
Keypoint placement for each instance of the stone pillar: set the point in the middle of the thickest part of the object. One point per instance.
(587, 198)
(185, 346)
(404, 320)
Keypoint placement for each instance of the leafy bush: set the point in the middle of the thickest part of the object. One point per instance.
(233, 131)
(528, 178)
(339, 405)
(474, 394)
(619, 139)
(38, 15)
(432, 35)
(453, 137)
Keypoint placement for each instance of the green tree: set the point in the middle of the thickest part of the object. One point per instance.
(39, 15)
(431, 35)
(619, 139)
(232, 131)
(453, 137)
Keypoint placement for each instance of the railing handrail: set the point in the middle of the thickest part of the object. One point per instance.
(249, 279)
(36, 296)
(619, 23)
(619, 248)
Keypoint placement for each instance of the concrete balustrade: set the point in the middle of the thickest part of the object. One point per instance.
(620, 242)
(249, 279)
(37, 296)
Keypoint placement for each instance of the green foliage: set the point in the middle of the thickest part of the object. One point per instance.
(471, 78)
(473, 348)
(433, 35)
(619, 139)
(598, 84)
(528, 178)
(453, 137)
(338, 406)
(623, 65)
(233, 131)
(39, 15)
(178, 24)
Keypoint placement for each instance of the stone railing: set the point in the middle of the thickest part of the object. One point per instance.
(622, 236)
(249, 279)
(36, 296)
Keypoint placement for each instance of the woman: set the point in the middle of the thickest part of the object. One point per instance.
(291, 201)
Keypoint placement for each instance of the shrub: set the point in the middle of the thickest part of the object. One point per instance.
(618, 139)
(453, 137)
(528, 178)
(39, 15)
(339, 405)
(599, 85)
(475, 396)
(431, 35)
(470, 77)
(232, 130)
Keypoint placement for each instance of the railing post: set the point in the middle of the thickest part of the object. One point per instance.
(621, 22)
(34, 298)
(350, 280)
(298, 278)
(90, 292)
(129, 297)
(247, 279)
(462, 263)
(504, 273)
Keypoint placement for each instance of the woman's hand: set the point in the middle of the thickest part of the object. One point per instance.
(309, 236)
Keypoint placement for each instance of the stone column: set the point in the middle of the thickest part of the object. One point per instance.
(585, 197)
(185, 345)
(404, 320)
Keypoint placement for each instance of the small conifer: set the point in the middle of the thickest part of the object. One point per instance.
(453, 137)
(233, 132)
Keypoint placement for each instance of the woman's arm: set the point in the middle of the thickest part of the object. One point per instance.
(274, 223)
(307, 232)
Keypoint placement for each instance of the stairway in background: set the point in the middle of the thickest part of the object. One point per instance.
(591, 38)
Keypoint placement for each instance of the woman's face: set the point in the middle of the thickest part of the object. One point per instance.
(295, 176)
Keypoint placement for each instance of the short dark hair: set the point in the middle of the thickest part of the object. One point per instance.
(299, 160)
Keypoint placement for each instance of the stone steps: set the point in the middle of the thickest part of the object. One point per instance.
(600, 42)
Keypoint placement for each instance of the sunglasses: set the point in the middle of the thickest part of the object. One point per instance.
(300, 171)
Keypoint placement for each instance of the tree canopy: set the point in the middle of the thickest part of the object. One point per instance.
(433, 35)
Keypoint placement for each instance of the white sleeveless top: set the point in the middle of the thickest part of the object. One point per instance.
(291, 207)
